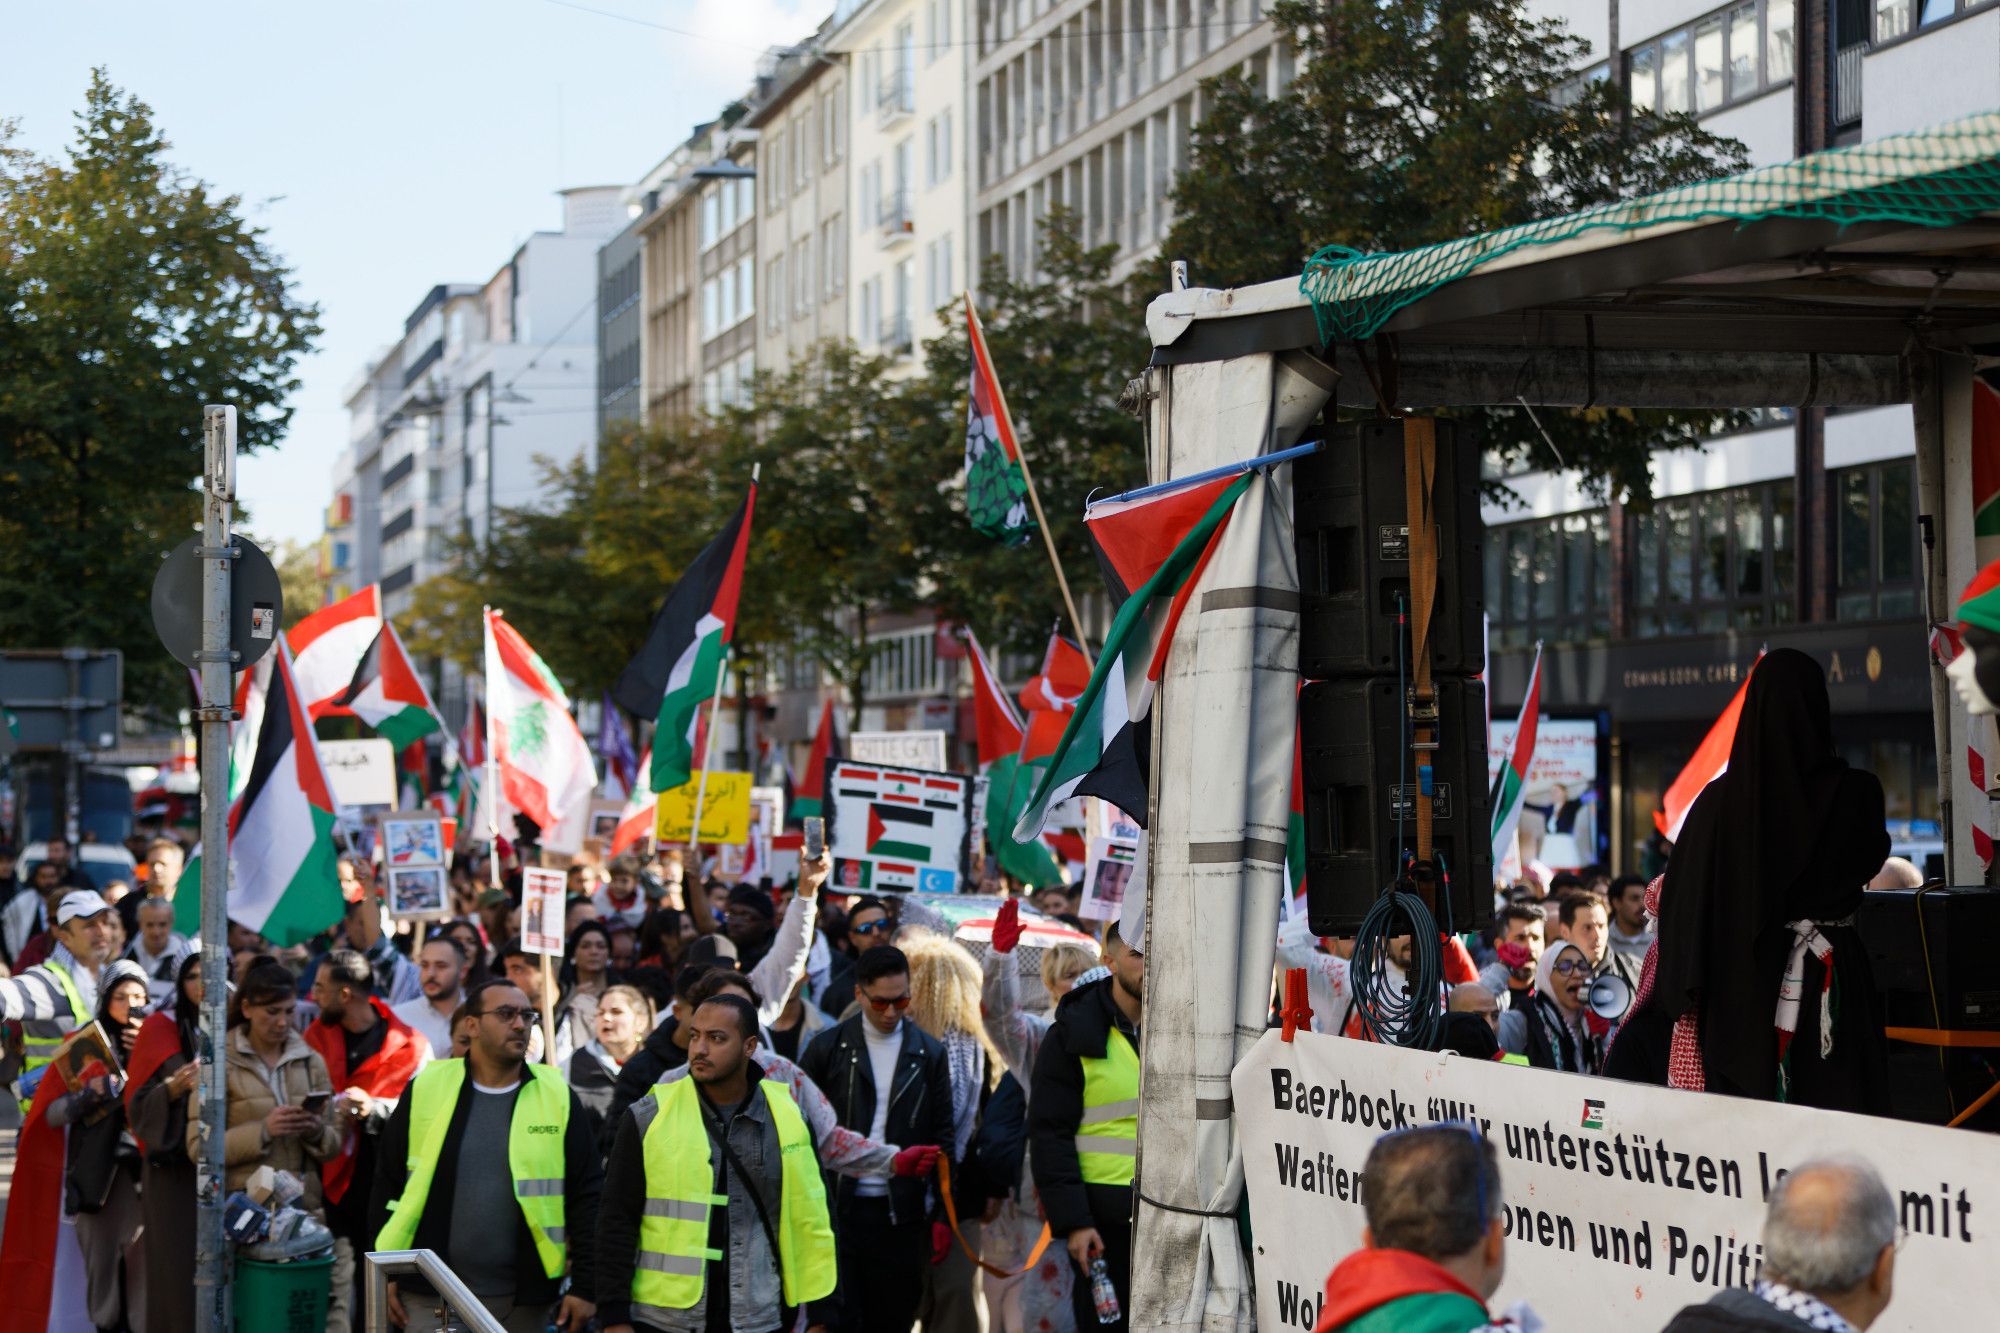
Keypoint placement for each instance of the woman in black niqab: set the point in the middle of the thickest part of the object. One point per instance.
(1788, 833)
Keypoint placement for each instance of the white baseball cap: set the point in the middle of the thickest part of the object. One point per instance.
(80, 903)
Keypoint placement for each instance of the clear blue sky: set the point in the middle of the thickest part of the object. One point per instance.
(386, 146)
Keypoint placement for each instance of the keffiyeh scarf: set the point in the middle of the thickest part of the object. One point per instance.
(1799, 1305)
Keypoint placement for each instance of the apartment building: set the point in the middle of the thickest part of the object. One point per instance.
(1799, 532)
(802, 234)
(1090, 105)
(669, 284)
(621, 328)
(725, 191)
(910, 197)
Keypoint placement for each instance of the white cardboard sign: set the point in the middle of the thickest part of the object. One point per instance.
(906, 749)
(360, 772)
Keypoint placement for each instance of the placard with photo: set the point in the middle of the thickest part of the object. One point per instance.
(543, 894)
(418, 892)
(1105, 878)
(412, 840)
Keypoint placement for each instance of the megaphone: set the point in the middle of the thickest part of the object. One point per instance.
(1609, 997)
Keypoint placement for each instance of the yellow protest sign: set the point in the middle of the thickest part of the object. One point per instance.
(725, 810)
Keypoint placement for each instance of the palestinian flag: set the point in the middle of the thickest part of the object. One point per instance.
(1710, 761)
(637, 819)
(677, 670)
(386, 694)
(996, 488)
(1000, 736)
(1101, 751)
(251, 689)
(281, 855)
(1510, 785)
(542, 760)
(327, 648)
(809, 799)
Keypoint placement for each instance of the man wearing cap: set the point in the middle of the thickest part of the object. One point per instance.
(54, 998)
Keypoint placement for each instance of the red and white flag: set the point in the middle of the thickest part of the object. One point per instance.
(636, 820)
(1711, 761)
(327, 648)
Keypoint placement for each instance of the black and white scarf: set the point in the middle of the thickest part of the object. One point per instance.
(1800, 1305)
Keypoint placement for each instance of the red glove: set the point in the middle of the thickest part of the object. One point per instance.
(918, 1161)
(1007, 926)
(940, 1242)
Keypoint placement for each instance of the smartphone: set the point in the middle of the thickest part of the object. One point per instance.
(815, 840)
(315, 1102)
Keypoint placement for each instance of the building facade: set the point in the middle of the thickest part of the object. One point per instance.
(621, 329)
(1800, 532)
(802, 232)
(669, 287)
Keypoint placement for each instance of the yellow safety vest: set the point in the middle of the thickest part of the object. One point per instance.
(534, 1156)
(41, 1040)
(680, 1189)
(1107, 1142)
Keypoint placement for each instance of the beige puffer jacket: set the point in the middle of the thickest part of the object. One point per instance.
(246, 1146)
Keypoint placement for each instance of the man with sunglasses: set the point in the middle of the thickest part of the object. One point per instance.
(889, 1080)
(491, 1162)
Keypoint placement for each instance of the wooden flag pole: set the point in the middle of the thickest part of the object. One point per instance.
(701, 782)
(1035, 499)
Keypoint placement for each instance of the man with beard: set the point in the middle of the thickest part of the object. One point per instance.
(1083, 1124)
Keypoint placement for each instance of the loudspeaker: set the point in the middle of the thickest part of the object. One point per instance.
(1350, 517)
(1357, 771)
(1959, 967)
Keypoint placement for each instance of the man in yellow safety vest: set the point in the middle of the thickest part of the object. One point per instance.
(492, 1163)
(714, 1214)
(1083, 1125)
(54, 998)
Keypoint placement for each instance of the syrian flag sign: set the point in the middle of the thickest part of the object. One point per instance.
(677, 670)
(1158, 546)
(996, 488)
(896, 828)
(544, 764)
(1510, 786)
(387, 695)
(1710, 761)
(327, 648)
(281, 852)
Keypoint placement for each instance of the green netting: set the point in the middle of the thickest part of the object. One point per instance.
(1931, 178)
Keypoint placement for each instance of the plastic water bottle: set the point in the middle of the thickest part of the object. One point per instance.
(1103, 1293)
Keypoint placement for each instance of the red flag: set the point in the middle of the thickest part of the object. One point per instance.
(995, 719)
(34, 1208)
(810, 798)
(382, 1075)
(1711, 760)
(1050, 697)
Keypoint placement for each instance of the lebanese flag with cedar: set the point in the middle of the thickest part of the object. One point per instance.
(327, 648)
(1711, 761)
(543, 761)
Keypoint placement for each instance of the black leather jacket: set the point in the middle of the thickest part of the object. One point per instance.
(919, 1100)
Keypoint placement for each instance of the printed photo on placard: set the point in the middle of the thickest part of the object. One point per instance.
(542, 902)
(1105, 878)
(413, 841)
(418, 891)
(896, 828)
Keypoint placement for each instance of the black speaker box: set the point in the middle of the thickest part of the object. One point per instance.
(1350, 516)
(1959, 967)
(1355, 799)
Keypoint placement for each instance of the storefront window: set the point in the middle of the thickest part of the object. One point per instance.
(1707, 563)
(1876, 562)
(1549, 579)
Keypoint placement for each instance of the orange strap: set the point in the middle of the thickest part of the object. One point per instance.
(1955, 1037)
(951, 1215)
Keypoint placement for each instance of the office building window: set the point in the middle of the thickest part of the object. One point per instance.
(937, 148)
(1726, 57)
(774, 284)
(1876, 560)
(774, 165)
(1702, 564)
(1549, 579)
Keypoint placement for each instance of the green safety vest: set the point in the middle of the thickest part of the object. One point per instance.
(680, 1189)
(41, 1040)
(534, 1156)
(1107, 1142)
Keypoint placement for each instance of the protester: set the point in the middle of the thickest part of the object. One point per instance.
(890, 1081)
(516, 1144)
(1434, 1249)
(477, 955)
(1757, 901)
(161, 865)
(101, 1161)
(1083, 1125)
(1476, 999)
(1517, 949)
(464, 1022)
(34, 917)
(661, 939)
(620, 898)
(797, 1023)
(750, 920)
(1329, 988)
(1631, 928)
(1897, 873)
(441, 967)
(523, 970)
(1586, 922)
(371, 1056)
(162, 1094)
(761, 1234)
(586, 973)
(52, 998)
(56, 852)
(623, 1018)
(158, 948)
(1830, 1239)
(1553, 1029)
(396, 978)
(1038, 1300)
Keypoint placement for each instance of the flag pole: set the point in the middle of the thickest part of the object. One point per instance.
(701, 781)
(492, 789)
(1035, 499)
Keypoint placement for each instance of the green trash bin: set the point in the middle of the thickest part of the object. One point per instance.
(282, 1298)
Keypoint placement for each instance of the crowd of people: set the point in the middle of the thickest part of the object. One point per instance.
(745, 1107)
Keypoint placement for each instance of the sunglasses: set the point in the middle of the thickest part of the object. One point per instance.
(868, 927)
(897, 1002)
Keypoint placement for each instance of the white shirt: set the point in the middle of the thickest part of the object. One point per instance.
(435, 1026)
(883, 1050)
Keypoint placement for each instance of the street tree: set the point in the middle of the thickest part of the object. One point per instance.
(1411, 122)
(131, 294)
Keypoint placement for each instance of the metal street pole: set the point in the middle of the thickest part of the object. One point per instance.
(214, 716)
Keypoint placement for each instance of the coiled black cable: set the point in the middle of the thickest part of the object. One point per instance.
(1398, 1017)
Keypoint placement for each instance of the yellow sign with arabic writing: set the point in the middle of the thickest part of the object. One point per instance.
(725, 810)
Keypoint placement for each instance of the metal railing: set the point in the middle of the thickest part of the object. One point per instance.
(895, 95)
(893, 216)
(385, 1264)
(1847, 84)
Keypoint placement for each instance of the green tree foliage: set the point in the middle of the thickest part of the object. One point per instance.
(1417, 121)
(130, 295)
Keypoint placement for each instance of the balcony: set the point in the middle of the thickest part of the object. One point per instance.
(893, 333)
(895, 97)
(1847, 85)
(893, 218)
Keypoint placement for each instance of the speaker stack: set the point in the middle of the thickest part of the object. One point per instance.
(1350, 513)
